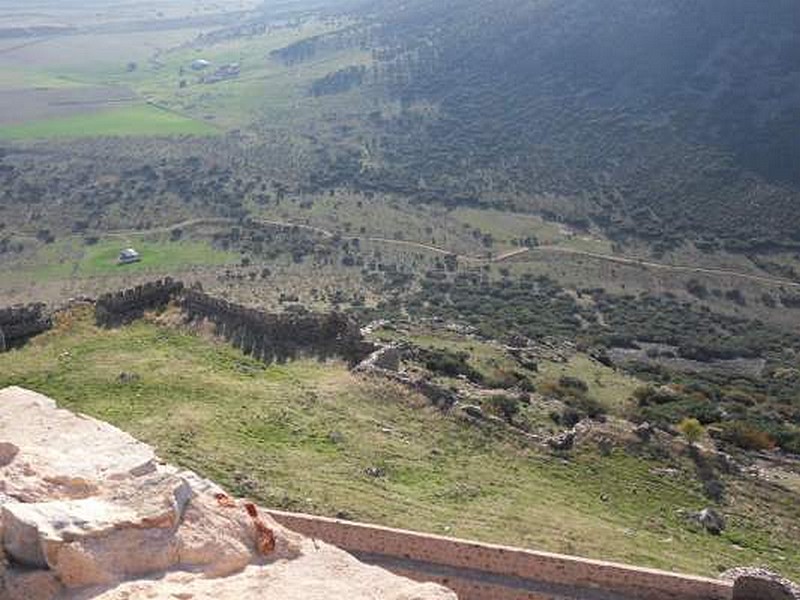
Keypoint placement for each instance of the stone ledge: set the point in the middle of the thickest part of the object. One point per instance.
(514, 564)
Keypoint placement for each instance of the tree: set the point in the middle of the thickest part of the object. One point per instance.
(692, 430)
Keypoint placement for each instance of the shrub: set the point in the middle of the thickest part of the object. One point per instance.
(789, 440)
(697, 289)
(682, 407)
(586, 405)
(569, 418)
(648, 395)
(573, 383)
(450, 364)
(692, 430)
(504, 379)
(504, 406)
(747, 436)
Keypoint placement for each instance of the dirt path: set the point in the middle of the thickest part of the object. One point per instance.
(168, 228)
(664, 266)
(511, 254)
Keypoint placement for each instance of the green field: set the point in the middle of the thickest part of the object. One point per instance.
(267, 91)
(141, 120)
(73, 258)
(302, 435)
(612, 388)
(178, 101)
(506, 227)
(101, 259)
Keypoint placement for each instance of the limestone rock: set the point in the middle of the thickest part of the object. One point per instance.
(7, 453)
(87, 541)
(711, 520)
(29, 585)
(321, 572)
(62, 455)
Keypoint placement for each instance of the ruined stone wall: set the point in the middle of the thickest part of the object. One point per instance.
(477, 571)
(273, 337)
(119, 308)
(269, 337)
(19, 323)
(385, 361)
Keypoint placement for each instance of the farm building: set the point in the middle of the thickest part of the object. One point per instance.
(229, 71)
(200, 64)
(129, 256)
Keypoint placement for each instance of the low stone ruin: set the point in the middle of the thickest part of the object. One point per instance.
(86, 511)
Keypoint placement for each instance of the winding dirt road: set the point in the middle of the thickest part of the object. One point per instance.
(506, 256)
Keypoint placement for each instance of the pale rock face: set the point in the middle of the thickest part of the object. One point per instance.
(58, 454)
(42, 534)
(86, 511)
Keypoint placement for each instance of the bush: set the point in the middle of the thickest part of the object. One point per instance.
(573, 383)
(450, 364)
(569, 418)
(697, 289)
(504, 406)
(504, 379)
(682, 407)
(586, 405)
(692, 430)
(648, 395)
(789, 440)
(747, 436)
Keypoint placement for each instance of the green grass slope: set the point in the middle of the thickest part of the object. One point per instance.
(302, 435)
(136, 120)
(73, 258)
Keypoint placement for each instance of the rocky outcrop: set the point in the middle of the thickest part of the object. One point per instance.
(385, 358)
(86, 511)
(759, 584)
(711, 521)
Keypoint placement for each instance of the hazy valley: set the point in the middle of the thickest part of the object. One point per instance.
(578, 225)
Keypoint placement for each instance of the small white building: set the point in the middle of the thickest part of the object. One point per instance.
(200, 64)
(129, 256)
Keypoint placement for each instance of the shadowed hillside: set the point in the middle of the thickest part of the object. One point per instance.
(658, 119)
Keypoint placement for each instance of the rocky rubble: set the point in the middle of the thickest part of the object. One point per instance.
(86, 511)
(751, 583)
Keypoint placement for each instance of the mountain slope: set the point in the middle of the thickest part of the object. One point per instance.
(660, 119)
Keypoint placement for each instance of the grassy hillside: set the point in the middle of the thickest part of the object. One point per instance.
(142, 120)
(303, 435)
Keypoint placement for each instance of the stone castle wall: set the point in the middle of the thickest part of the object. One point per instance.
(269, 337)
(279, 337)
(119, 308)
(477, 571)
(19, 323)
